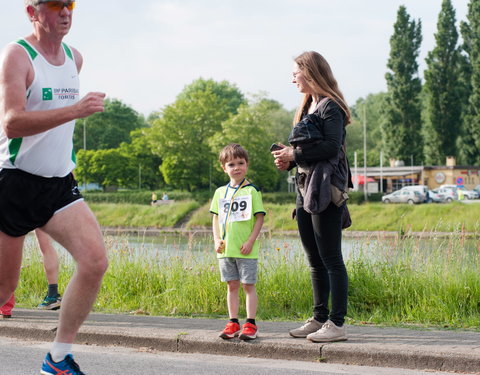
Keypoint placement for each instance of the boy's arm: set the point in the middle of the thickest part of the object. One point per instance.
(247, 246)
(219, 243)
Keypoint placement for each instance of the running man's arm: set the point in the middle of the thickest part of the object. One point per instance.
(16, 75)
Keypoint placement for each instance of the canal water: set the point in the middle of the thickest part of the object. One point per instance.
(200, 244)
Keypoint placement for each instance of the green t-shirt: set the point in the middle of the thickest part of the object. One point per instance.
(246, 203)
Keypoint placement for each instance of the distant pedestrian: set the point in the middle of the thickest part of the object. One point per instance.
(154, 198)
(323, 106)
(238, 215)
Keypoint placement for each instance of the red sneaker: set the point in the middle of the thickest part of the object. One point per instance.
(249, 332)
(231, 330)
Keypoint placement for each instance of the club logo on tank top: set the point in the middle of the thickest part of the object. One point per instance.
(60, 94)
(47, 94)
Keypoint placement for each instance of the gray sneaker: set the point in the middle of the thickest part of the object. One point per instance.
(329, 333)
(310, 326)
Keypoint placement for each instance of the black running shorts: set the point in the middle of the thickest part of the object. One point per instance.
(28, 201)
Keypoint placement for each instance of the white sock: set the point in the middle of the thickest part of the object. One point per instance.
(60, 350)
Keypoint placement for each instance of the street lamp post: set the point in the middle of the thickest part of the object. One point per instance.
(365, 183)
(85, 148)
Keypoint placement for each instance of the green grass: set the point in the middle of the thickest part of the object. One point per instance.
(425, 217)
(401, 282)
(136, 215)
(365, 217)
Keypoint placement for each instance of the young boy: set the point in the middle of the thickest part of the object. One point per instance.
(238, 214)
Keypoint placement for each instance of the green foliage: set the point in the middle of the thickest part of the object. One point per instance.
(106, 168)
(252, 128)
(181, 134)
(143, 197)
(128, 215)
(401, 129)
(443, 91)
(403, 218)
(142, 159)
(106, 130)
(470, 141)
(367, 109)
(398, 282)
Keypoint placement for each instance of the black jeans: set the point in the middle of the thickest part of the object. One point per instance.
(321, 237)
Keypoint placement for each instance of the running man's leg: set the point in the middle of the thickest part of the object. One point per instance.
(77, 230)
(6, 310)
(50, 257)
(10, 263)
(52, 300)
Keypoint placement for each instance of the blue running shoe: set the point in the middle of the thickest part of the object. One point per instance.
(66, 367)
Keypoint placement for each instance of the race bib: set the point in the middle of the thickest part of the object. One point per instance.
(241, 209)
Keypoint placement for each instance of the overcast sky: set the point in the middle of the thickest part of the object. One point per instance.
(144, 52)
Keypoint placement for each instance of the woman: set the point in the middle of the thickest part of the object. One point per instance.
(321, 232)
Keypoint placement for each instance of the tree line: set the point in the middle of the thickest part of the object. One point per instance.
(418, 122)
(424, 123)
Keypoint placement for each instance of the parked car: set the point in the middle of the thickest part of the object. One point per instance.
(449, 194)
(403, 196)
(470, 194)
(422, 189)
(435, 196)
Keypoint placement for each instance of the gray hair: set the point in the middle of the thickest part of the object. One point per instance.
(31, 2)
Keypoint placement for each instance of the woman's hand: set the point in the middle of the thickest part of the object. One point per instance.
(283, 157)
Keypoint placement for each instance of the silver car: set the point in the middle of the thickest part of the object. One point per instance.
(403, 196)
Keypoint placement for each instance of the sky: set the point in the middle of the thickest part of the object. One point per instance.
(145, 52)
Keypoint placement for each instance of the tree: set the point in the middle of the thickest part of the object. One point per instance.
(227, 93)
(256, 126)
(106, 130)
(470, 138)
(180, 135)
(140, 156)
(443, 90)
(402, 127)
(372, 105)
(105, 167)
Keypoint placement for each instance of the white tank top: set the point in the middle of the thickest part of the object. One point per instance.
(47, 154)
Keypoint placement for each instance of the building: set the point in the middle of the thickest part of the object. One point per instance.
(388, 179)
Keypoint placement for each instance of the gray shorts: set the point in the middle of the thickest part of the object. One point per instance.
(241, 269)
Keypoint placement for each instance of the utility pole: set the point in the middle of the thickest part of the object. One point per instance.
(365, 183)
(84, 149)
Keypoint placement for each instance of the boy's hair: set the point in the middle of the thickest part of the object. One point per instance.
(232, 151)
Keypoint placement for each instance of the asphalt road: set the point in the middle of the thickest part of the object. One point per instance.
(20, 357)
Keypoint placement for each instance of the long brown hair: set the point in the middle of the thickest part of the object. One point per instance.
(320, 78)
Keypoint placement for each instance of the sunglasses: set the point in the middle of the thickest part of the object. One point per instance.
(58, 5)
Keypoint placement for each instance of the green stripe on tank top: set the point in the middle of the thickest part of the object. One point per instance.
(68, 51)
(29, 48)
(74, 156)
(13, 147)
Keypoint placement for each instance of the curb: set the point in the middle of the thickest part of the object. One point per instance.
(273, 347)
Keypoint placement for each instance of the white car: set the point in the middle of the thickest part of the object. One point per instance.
(448, 193)
(435, 196)
(403, 196)
(422, 189)
(469, 194)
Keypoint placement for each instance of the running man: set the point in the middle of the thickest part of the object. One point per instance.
(39, 102)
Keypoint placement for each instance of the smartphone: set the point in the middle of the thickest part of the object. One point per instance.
(275, 147)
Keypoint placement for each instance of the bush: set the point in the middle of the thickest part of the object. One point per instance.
(144, 197)
(358, 197)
